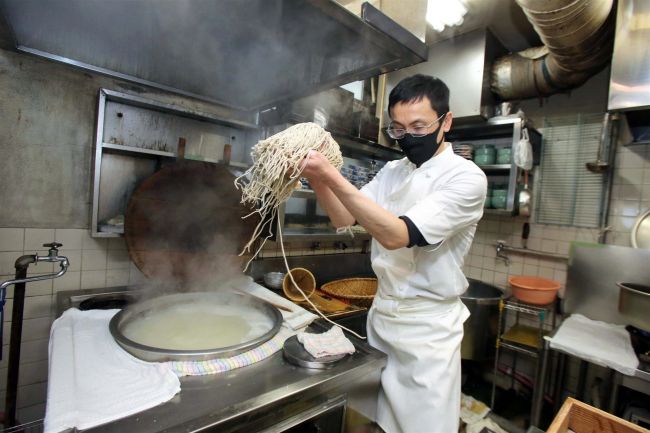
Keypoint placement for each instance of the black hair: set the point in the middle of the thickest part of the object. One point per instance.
(416, 87)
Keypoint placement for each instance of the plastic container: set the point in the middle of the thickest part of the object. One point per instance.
(534, 290)
(499, 198)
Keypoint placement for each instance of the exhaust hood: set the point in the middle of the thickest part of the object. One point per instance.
(245, 54)
(629, 86)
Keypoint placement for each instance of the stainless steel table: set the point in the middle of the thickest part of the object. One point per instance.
(260, 397)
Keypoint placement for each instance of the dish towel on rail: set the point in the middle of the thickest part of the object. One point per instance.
(598, 342)
(93, 381)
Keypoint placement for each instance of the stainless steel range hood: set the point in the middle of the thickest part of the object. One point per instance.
(246, 54)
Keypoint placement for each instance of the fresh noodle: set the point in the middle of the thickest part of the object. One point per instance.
(277, 165)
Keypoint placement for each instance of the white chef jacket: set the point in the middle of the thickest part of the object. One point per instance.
(444, 198)
(417, 316)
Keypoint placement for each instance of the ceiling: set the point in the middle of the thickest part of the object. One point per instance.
(504, 18)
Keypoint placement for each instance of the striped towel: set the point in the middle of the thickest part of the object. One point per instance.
(219, 365)
(329, 343)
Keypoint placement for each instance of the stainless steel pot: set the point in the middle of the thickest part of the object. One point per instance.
(237, 303)
(634, 303)
(482, 300)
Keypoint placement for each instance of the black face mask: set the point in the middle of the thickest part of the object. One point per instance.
(419, 150)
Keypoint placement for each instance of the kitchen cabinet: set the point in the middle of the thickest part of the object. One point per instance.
(500, 132)
(136, 137)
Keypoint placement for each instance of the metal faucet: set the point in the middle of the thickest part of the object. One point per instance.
(13, 369)
(52, 256)
(501, 246)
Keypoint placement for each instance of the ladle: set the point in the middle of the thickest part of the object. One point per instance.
(600, 166)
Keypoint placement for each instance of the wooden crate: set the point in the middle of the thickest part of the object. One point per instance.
(576, 416)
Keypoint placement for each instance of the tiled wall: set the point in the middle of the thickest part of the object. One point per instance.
(93, 263)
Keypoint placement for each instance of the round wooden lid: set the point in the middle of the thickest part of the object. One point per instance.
(183, 225)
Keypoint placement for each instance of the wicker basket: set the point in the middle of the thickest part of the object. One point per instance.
(355, 291)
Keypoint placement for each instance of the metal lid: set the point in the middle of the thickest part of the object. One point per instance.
(641, 232)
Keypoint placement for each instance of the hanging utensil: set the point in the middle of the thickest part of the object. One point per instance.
(600, 166)
(524, 197)
(525, 232)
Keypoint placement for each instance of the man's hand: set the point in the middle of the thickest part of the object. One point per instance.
(316, 168)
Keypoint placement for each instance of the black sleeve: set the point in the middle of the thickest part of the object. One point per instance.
(415, 236)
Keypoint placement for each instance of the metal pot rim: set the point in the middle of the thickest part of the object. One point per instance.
(157, 354)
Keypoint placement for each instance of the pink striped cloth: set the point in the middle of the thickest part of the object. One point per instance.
(219, 365)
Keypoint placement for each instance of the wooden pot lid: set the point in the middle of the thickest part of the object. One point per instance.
(183, 225)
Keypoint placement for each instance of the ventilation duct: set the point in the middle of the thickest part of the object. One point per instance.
(578, 39)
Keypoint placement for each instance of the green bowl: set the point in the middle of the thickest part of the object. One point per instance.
(484, 159)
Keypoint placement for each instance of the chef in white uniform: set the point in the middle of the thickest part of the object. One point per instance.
(422, 213)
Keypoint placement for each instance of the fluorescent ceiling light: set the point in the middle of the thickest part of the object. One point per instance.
(441, 13)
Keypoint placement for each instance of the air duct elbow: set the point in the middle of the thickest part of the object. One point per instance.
(578, 40)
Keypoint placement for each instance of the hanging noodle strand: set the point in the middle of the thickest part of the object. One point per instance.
(278, 162)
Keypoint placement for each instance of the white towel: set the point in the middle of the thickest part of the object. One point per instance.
(329, 343)
(297, 318)
(598, 342)
(92, 380)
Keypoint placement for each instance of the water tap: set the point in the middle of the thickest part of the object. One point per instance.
(501, 246)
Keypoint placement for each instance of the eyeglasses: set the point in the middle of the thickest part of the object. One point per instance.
(418, 131)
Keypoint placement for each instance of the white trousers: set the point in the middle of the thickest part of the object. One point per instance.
(420, 386)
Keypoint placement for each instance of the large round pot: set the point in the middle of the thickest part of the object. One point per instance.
(185, 320)
(482, 300)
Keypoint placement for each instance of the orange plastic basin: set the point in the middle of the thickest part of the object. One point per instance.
(534, 290)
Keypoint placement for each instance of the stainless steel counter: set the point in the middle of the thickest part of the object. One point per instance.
(259, 396)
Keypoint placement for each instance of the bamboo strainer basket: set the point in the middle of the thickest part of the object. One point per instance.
(355, 291)
(305, 280)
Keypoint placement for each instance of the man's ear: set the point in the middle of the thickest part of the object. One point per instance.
(446, 126)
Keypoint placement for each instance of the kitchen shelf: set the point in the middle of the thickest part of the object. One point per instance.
(524, 339)
(495, 167)
(140, 150)
(500, 132)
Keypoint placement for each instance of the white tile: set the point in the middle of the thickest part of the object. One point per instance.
(535, 244)
(549, 246)
(563, 247)
(515, 268)
(645, 193)
(646, 175)
(71, 280)
(560, 276)
(633, 176)
(531, 260)
(487, 276)
(475, 273)
(117, 277)
(546, 272)
(488, 263)
(93, 279)
(37, 306)
(7, 262)
(31, 413)
(35, 238)
(629, 192)
(36, 329)
(30, 395)
(38, 288)
(531, 270)
(93, 260)
(12, 239)
(116, 244)
(90, 243)
(70, 238)
(501, 279)
(135, 276)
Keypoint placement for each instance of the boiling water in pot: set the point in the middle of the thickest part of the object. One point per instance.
(195, 327)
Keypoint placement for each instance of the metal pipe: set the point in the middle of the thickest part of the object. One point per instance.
(578, 39)
(13, 370)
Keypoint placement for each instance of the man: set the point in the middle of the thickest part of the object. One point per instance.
(422, 213)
